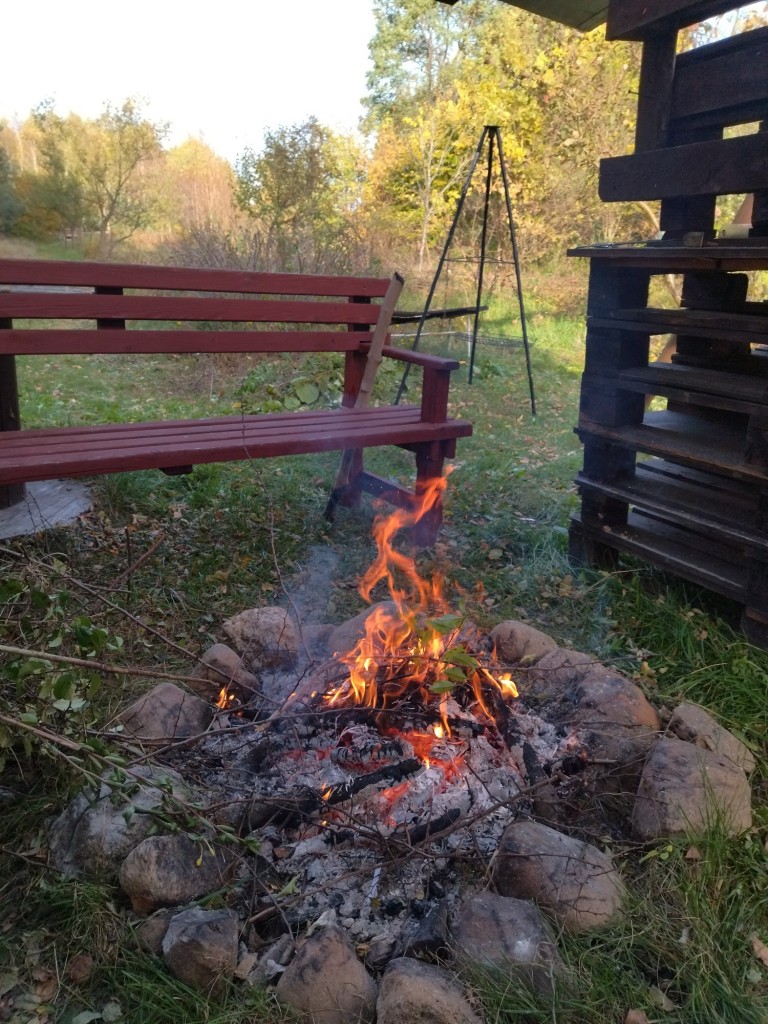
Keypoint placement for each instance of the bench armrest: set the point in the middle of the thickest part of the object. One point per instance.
(425, 359)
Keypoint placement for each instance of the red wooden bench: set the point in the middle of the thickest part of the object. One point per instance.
(188, 309)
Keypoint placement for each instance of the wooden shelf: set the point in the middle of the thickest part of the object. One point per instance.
(748, 254)
(734, 392)
(704, 502)
(696, 441)
(692, 556)
(699, 323)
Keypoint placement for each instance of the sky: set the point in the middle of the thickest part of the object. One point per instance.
(223, 71)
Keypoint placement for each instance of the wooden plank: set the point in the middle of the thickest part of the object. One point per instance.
(638, 19)
(691, 440)
(166, 431)
(78, 306)
(689, 499)
(743, 392)
(702, 323)
(699, 98)
(657, 74)
(94, 450)
(48, 503)
(720, 167)
(671, 550)
(128, 275)
(658, 258)
(106, 342)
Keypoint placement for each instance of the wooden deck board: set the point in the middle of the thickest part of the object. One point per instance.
(46, 504)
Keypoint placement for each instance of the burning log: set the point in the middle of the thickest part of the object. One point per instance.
(390, 773)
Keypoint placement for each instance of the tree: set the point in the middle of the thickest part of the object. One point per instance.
(99, 171)
(562, 100)
(302, 190)
(10, 204)
(198, 188)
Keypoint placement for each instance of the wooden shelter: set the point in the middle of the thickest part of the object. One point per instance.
(684, 487)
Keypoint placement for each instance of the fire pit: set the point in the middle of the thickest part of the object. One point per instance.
(389, 786)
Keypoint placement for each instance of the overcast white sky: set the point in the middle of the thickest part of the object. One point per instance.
(222, 70)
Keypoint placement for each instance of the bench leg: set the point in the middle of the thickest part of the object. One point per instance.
(350, 496)
(429, 466)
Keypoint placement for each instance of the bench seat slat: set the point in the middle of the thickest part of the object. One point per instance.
(70, 274)
(93, 450)
(77, 306)
(128, 342)
(306, 420)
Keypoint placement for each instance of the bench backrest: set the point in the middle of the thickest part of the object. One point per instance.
(274, 312)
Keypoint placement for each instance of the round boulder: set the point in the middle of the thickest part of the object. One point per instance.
(573, 880)
(686, 789)
(265, 637)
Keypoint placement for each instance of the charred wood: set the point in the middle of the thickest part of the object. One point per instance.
(387, 773)
(419, 833)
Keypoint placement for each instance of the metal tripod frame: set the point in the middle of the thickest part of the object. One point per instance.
(493, 134)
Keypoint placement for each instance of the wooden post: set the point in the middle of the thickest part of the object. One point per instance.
(10, 494)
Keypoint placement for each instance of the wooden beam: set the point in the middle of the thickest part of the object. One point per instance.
(638, 19)
(720, 167)
(698, 97)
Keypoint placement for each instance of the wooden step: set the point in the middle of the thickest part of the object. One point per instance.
(725, 509)
(736, 392)
(695, 441)
(677, 551)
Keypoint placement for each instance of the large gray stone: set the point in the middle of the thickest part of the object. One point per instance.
(573, 880)
(98, 829)
(517, 643)
(166, 871)
(265, 637)
(219, 667)
(685, 789)
(695, 725)
(553, 672)
(327, 982)
(509, 934)
(200, 947)
(165, 715)
(412, 992)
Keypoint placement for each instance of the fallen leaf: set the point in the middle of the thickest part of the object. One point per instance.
(659, 999)
(112, 1012)
(636, 1017)
(47, 985)
(8, 981)
(79, 968)
(760, 949)
(86, 1017)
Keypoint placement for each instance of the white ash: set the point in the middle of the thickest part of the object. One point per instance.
(353, 857)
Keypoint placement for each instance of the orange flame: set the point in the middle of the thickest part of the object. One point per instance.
(398, 652)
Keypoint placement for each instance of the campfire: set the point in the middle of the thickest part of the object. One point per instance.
(414, 736)
(410, 782)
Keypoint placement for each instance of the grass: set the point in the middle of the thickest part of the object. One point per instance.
(240, 535)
